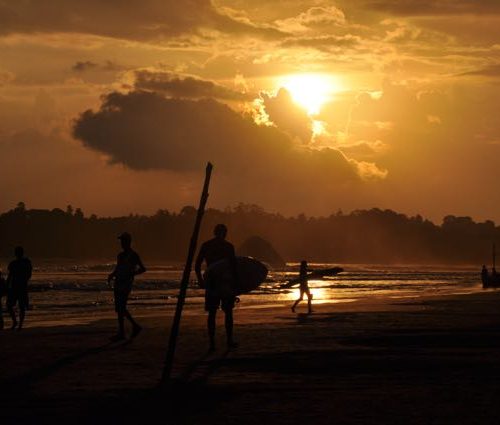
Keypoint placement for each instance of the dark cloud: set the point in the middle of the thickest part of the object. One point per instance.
(145, 130)
(185, 86)
(82, 66)
(435, 7)
(133, 19)
(489, 71)
(287, 115)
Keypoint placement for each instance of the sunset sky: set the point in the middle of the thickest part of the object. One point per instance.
(302, 105)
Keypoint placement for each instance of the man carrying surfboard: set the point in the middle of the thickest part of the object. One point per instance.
(213, 251)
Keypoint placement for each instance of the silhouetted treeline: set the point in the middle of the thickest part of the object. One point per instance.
(362, 236)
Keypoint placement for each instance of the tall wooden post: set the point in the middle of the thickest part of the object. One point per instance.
(169, 359)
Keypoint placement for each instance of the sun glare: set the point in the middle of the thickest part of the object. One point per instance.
(311, 91)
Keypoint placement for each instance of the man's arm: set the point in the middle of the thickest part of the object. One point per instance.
(197, 266)
(140, 267)
(9, 276)
(112, 275)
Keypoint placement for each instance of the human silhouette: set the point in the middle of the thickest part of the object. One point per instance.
(304, 287)
(484, 275)
(20, 271)
(3, 292)
(212, 251)
(128, 265)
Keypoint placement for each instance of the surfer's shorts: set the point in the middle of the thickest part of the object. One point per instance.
(304, 290)
(121, 298)
(18, 297)
(214, 302)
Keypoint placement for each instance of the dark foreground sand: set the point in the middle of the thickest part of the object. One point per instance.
(431, 361)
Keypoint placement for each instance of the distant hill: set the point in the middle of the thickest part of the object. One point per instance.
(262, 250)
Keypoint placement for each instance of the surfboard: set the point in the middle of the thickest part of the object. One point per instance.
(315, 274)
(250, 274)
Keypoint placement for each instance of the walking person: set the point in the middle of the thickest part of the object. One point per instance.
(128, 265)
(20, 271)
(485, 277)
(212, 251)
(304, 287)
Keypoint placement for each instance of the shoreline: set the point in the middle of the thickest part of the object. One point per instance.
(86, 316)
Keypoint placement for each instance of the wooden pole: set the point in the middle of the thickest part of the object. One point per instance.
(169, 359)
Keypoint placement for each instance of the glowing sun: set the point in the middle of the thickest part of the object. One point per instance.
(311, 91)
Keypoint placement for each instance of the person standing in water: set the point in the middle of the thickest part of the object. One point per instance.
(128, 265)
(304, 287)
(212, 251)
(484, 275)
(17, 286)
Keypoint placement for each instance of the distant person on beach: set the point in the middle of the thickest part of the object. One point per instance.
(484, 274)
(212, 251)
(128, 265)
(3, 292)
(17, 286)
(304, 287)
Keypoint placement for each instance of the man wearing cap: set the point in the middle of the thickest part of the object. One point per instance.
(128, 265)
(212, 251)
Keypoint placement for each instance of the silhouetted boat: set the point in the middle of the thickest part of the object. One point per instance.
(491, 280)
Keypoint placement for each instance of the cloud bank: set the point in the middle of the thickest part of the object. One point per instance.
(147, 131)
(185, 86)
(143, 20)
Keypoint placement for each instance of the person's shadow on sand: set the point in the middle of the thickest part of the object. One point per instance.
(304, 317)
(38, 374)
(200, 370)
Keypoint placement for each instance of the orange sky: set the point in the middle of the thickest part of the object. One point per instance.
(303, 105)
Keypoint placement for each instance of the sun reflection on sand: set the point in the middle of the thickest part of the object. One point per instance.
(319, 293)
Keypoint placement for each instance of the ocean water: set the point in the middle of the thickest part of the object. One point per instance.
(69, 293)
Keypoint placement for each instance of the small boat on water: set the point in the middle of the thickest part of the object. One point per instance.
(491, 280)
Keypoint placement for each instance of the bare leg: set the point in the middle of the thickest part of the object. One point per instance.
(13, 316)
(229, 328)
(211, 328)
(22, 315)
(136, 327)
(296, 303)
(131, 319)
(309, 301)
(121, 324)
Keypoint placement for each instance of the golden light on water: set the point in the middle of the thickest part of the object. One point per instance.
(317, 293)
(311, 91)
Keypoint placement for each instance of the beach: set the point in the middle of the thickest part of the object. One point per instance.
(431, 360)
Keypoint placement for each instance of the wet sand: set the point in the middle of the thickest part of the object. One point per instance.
(381, 361)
